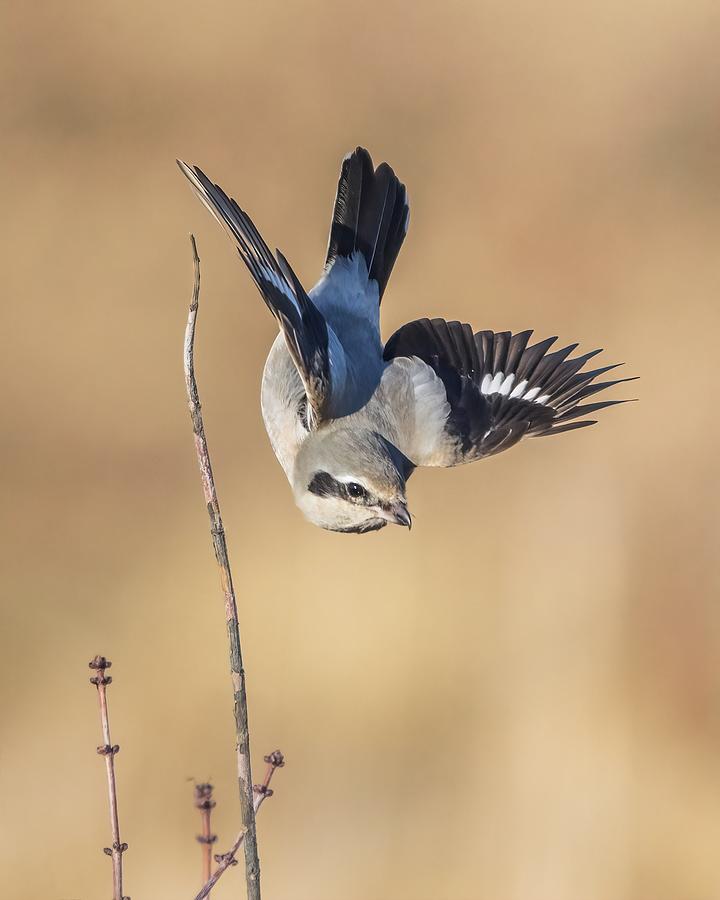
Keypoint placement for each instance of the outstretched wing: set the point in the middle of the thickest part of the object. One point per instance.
(315, 350)
(498, 389)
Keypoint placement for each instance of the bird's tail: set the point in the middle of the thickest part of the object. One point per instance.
(370, 216)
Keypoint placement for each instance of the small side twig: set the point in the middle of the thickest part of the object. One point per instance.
(274, 760)
(109, 751)
(205, 803)
(237, 672)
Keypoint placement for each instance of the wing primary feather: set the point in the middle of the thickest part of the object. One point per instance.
(518, 343)
(590, 389)
(548, 366)
(561, 429)
(564, 372)
(531, 357)
(501, 344)
(579, 411)
(499, 389)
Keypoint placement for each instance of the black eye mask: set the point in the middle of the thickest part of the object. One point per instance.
(323, 484)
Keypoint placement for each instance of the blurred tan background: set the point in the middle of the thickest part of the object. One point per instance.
(521, 699)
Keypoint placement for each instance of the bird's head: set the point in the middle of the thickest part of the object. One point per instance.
(351, 479)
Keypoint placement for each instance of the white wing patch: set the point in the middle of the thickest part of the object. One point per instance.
(503, 384)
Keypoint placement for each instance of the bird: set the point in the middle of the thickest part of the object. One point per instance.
(349, 417)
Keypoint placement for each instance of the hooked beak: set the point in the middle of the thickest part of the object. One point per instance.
(397, 513)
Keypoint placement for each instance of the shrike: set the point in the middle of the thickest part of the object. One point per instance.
(349, 418)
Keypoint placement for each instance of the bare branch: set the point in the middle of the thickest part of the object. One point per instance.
(205, 803)
(247, 807)
(109, 750)
(274, 760)
(224, 860)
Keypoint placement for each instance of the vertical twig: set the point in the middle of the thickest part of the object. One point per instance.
(274, 760)
(109, 750)
(205, 803)
(247, 809)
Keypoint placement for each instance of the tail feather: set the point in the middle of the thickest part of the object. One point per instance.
(370, 216)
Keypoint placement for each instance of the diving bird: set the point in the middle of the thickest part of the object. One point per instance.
(350, 418)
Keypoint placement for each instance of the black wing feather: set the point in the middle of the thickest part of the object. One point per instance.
(304, 327)
(484, 423)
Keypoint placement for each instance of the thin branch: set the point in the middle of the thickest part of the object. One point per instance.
(247, 808)
(274, 760)
(205, 803)
(109, 750)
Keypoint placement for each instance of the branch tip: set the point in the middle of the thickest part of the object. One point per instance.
(275, 759)
(203, 796)
(99, 662)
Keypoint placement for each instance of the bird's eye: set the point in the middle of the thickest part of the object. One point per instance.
(355, 490)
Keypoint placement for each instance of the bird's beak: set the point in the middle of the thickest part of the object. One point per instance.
(397, 513)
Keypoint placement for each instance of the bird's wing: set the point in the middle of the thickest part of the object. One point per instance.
(369, 224)
(314, 348)
(496, 389)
